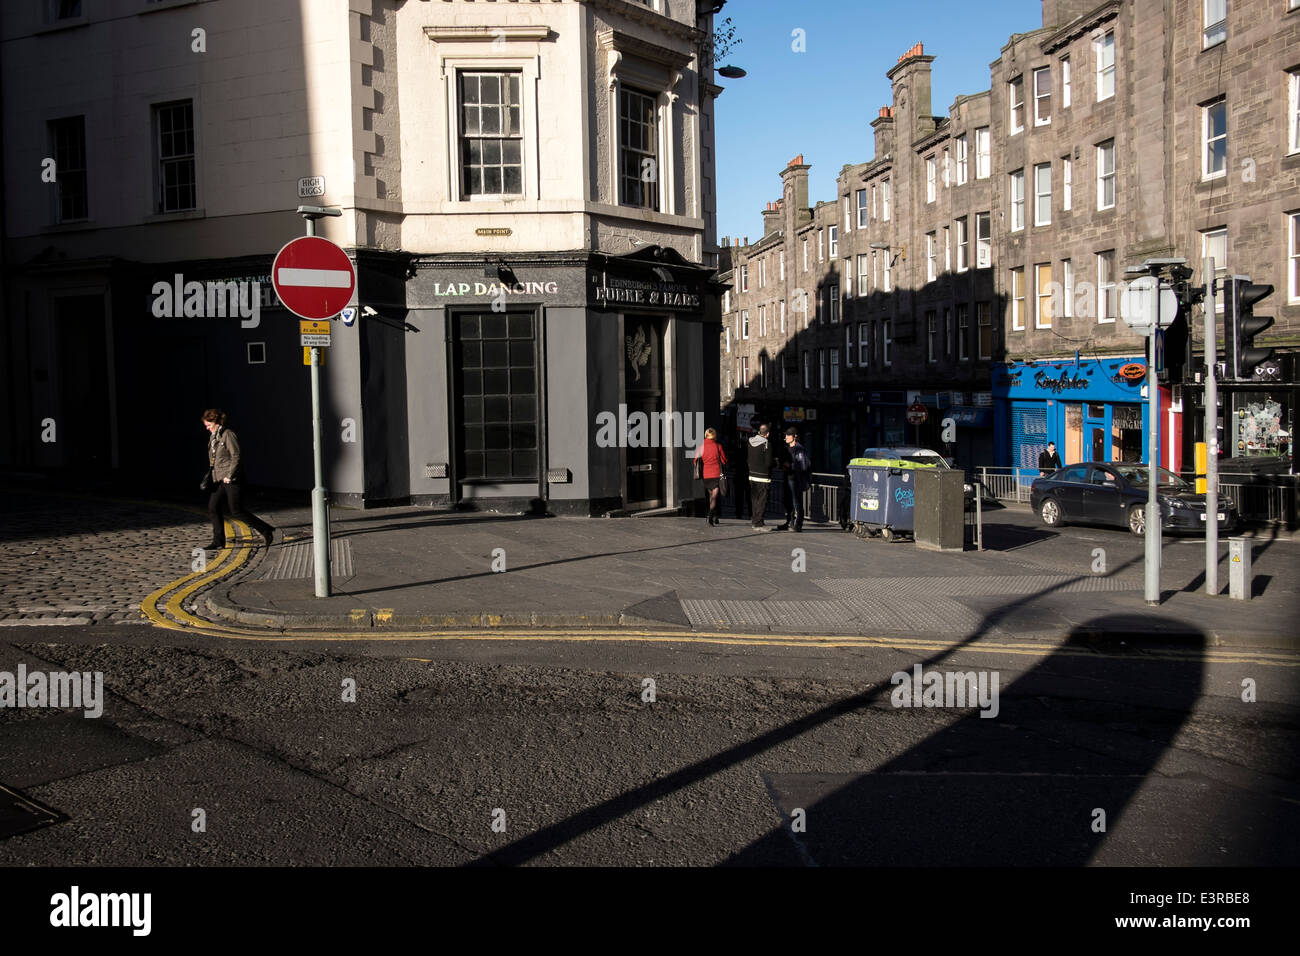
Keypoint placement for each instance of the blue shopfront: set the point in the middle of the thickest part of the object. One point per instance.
(1093, 409)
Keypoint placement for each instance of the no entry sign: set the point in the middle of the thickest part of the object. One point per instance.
(917, 414)
(313, 277)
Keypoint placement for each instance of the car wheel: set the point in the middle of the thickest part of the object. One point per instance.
(1137, 519)
(1051, 513)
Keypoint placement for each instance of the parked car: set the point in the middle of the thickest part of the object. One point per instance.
(1115, 493)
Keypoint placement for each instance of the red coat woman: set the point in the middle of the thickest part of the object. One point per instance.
(713, 458)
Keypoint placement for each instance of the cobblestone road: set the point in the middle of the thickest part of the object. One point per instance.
(71, 560)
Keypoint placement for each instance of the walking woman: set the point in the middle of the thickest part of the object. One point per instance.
(227, 477)
(713, 458)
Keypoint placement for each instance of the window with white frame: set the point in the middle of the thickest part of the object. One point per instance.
(1042, 96)
(781, 308)
(805, 253)
(963, 244)
(931, 255)
(1293, 111)
(491, 134)
(847, 272)
(782, 365)
(1067, 288)
(873, 202)
(1214, 243)
(984, 320)
(833, 300)
(1043, 194)
(1065, 82)
(834, 241)
(861, 195)
(1016, 99)
(1067, 182)
(931, 336)
(887, 284)
(762, 272)
(862, 274)
(1016, 193)
(744, 323)
(947, 167)
(884, 199)
(744, 278)
(1214, 139)
(1043, 295)
(864, 355)
(638, 148)
(726, 301)
(963, 332)
(929, 178)
(821, 368)
(962, 162)
(1293, 257)
(1018, 299)
(781, 263)
(1216, 21)
(848, 346)
(174, 155)
(744, 370)
(835, 368)
(848, 219)
(821, 244)
(1106, 175)
(67, 138)
(806, 364)
(1103, 49)
(983, 163)
(762, 321)
(1107, 295)
(983, 240)
(947, 249)
(887, 342)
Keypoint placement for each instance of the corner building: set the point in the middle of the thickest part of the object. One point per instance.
(527, 192)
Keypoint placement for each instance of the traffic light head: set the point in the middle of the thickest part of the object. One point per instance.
(1241, 327)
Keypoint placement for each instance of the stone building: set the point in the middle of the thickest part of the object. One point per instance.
(1113, 134)
(527, 192)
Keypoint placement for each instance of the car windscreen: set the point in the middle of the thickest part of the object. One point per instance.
(1138, 475)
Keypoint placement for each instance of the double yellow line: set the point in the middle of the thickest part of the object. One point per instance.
(165, 608)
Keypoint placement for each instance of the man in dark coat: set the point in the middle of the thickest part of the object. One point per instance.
(1049, 461)
(760, 476)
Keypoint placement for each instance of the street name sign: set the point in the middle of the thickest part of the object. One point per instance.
(313, 277)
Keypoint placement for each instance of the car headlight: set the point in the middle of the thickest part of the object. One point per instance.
(1177, 505)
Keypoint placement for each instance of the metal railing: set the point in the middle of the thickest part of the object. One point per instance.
(1007, 483)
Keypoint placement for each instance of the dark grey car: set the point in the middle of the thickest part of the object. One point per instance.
(1115, 493)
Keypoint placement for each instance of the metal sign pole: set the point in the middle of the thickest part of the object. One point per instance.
(320, 526)
(1211, 433)
(1152, 576)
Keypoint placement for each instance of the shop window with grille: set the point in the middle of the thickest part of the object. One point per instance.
(497, 396)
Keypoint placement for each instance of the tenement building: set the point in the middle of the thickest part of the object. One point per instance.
(527, 194)
(975, 266)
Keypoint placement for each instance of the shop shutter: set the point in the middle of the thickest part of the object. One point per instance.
(1028, 433)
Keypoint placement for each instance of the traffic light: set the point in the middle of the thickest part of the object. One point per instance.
(1178, 339)
(1241, 327)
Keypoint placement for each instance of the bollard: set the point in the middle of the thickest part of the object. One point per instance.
(1239, 569)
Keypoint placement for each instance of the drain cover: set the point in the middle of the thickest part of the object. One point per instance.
(19, 814)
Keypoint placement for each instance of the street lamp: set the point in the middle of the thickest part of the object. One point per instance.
(731, 72)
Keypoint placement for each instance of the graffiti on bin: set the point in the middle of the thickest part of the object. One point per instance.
(903, 497)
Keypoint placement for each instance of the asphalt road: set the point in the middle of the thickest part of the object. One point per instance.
(1099, 753)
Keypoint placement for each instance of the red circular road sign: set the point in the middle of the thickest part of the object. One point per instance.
(917, 414)
(313, 277)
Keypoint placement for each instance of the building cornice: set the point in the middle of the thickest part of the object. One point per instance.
(1079, 26)
(643, 14)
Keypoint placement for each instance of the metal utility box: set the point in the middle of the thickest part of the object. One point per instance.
(939, 522)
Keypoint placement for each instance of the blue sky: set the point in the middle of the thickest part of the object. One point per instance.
(821, 102)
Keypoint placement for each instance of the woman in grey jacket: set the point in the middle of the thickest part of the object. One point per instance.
(228, 475)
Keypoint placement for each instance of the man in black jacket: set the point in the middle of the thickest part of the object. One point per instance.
(760, 476)
(1049, 461)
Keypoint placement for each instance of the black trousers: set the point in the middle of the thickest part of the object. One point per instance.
(758, 492)
(229, 496)
(793, 504)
